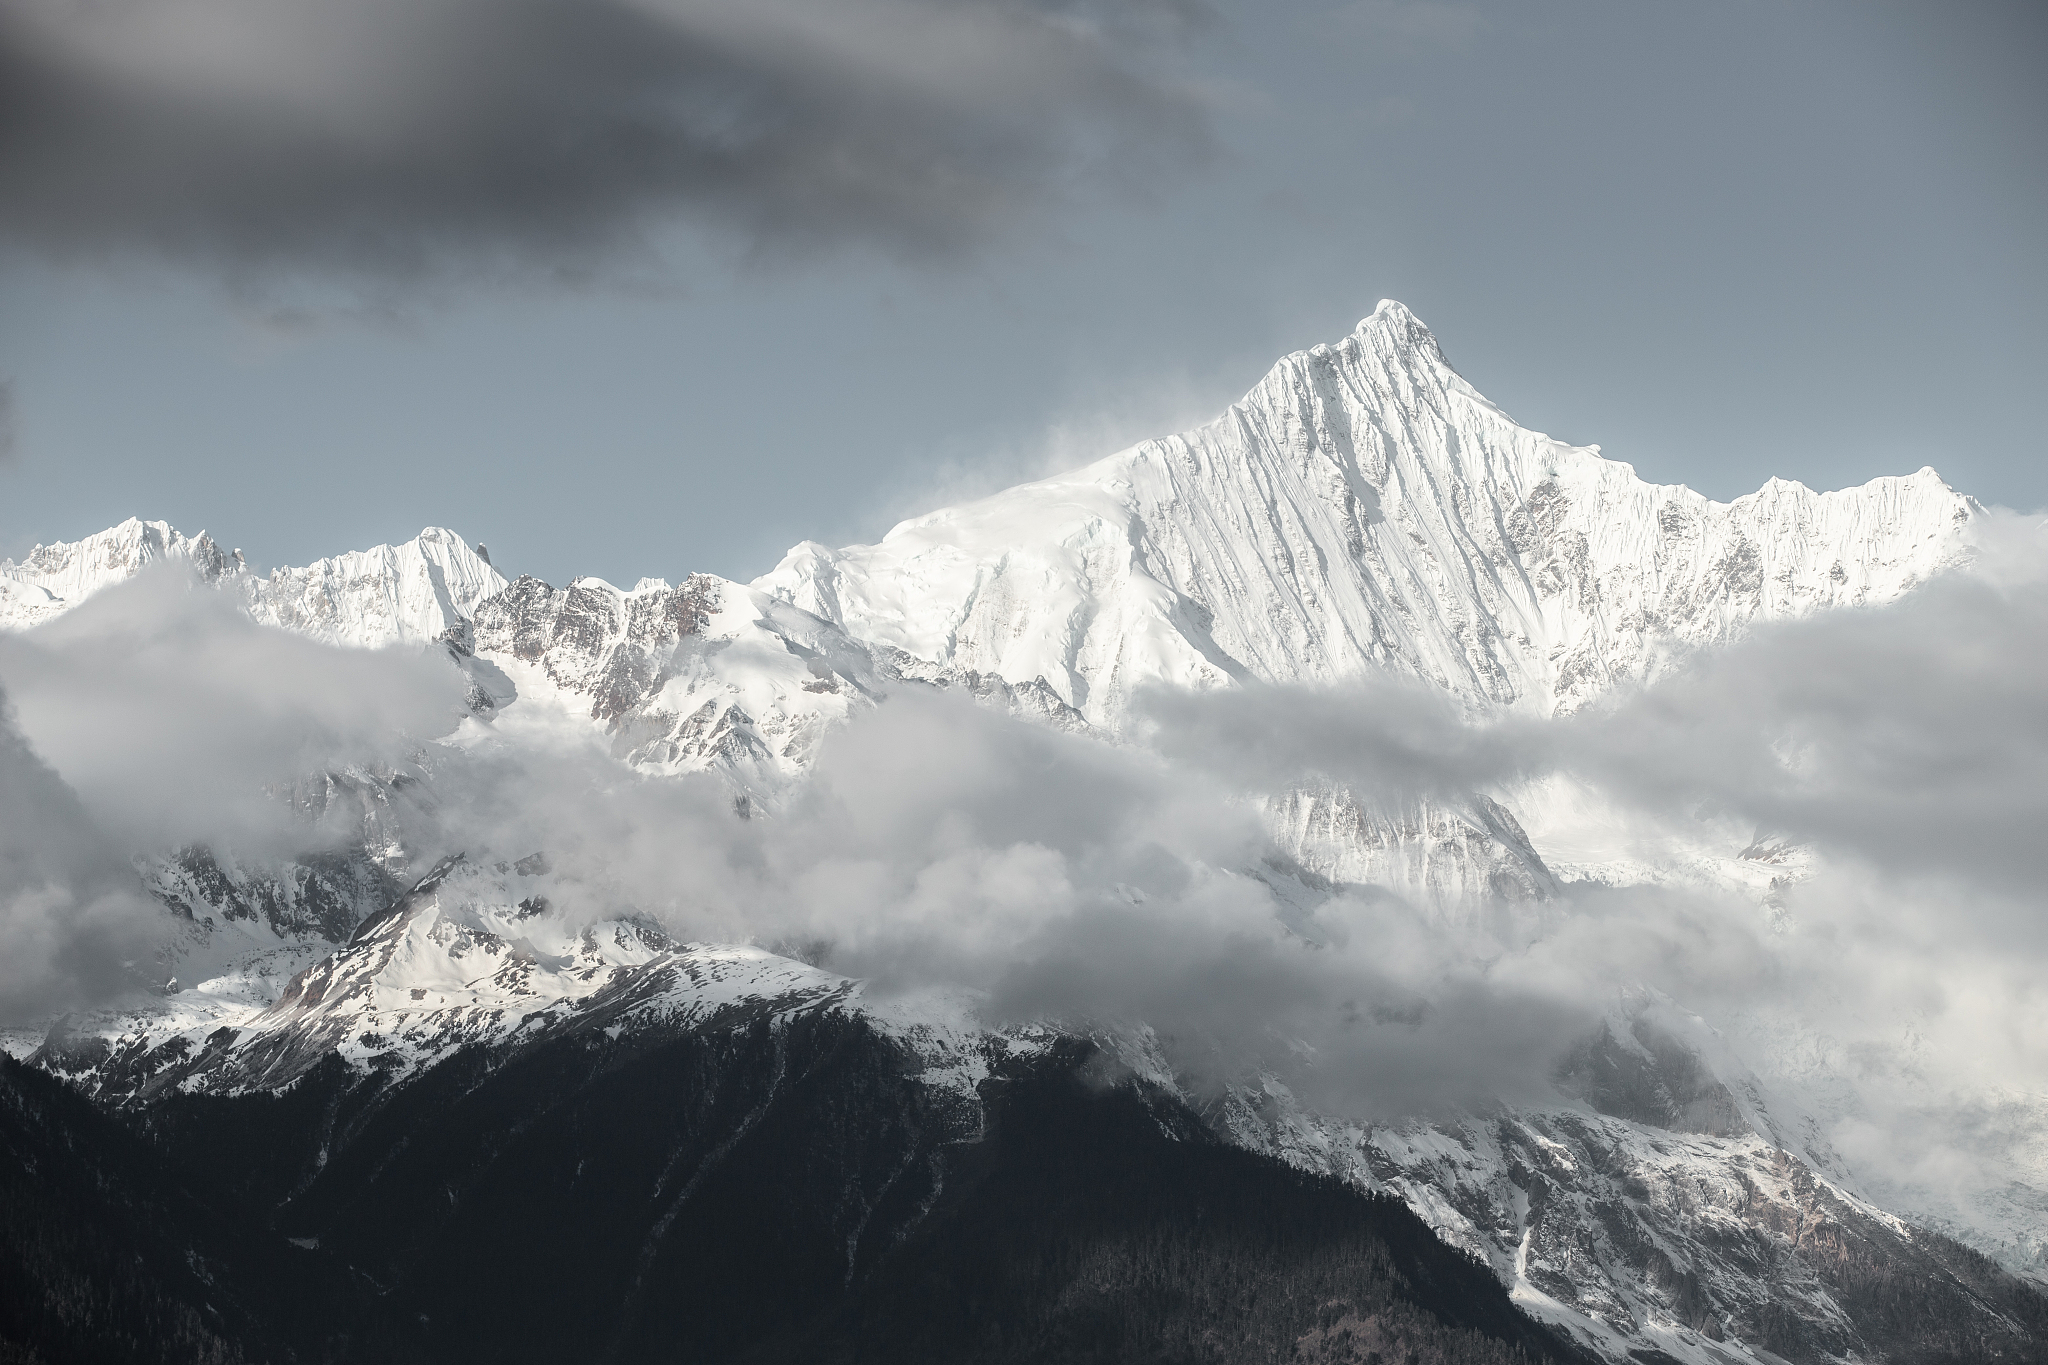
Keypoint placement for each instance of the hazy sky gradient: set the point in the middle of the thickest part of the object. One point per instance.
(1722, 240)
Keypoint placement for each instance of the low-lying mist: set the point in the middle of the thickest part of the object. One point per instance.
(1897, 751)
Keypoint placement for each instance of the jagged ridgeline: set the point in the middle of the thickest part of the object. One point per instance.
(388, 1102)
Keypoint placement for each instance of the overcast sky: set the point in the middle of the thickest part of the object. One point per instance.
(634, 287)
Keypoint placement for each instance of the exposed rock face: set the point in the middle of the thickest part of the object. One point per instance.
(705, 676)
(1670, 1212)
(1030, 700)
(319, 895)
(356, 824)
(1650, 1077)
(591, 638)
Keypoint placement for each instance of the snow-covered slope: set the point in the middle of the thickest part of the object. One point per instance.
(473, 955)
(706, 676)
(1364, 508)
(422, 590)
(1666, 1212)
(1448, 855)
(425, 589)
(55, 578)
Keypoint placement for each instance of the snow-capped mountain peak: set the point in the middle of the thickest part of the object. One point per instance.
(51, 579)
(423, 589)
(427, 588)
(1364, 508)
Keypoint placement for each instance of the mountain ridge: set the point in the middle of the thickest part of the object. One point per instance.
(1363, 509)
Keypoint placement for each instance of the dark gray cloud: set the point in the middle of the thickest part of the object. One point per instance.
(391, 138)
(7, 437)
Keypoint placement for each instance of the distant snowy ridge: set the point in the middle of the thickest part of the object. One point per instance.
(1364, 508)
(52, 579)
(706, 676)
(424, 589)
(427, 588)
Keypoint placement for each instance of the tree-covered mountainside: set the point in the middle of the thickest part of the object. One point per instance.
(783, 1191)
(108, 1256)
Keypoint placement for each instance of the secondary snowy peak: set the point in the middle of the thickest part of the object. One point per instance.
(422, 590)
(425, 589)
(706, 676)
(54, 578)
(1364, 508)
(477, 954)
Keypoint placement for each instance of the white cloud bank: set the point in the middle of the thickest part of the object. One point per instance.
(1073, 879)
